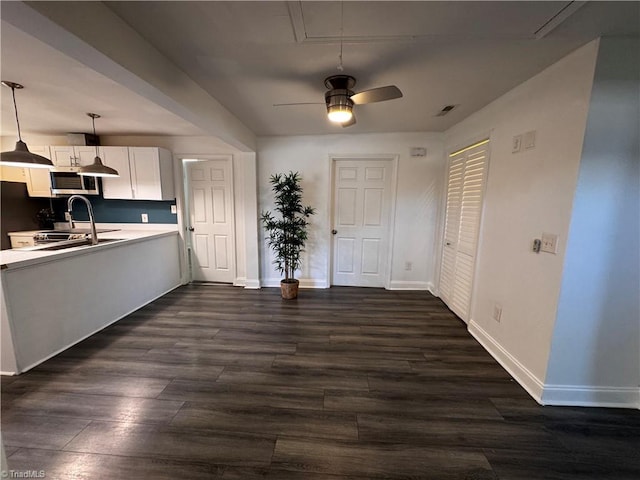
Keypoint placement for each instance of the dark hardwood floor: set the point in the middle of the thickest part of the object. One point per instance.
(216, 382)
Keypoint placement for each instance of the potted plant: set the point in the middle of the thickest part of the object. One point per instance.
(287, 235)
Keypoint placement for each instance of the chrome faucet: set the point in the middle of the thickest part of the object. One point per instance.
(92, 221)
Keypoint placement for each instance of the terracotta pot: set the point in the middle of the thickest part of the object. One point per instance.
(289, 289)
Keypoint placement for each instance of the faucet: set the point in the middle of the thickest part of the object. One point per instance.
(92, 221)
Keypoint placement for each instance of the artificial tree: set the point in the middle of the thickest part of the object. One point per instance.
(287, 235)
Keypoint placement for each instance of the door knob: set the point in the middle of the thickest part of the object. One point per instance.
(333, 232)
(191, 229)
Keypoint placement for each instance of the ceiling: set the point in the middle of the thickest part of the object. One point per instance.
(252, 55)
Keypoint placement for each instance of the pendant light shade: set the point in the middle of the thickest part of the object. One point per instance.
(21, 156)
(97, 168)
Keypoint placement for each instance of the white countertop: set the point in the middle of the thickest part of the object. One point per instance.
(23, 257)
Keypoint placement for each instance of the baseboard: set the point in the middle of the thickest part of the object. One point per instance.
(558, 395)
(589, 396)
(523, 376)
(408, 285)
(432, 289)
(252, 284)
(4, 373)
(304, 283)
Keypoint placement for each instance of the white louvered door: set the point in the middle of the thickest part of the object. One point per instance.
(465, 189)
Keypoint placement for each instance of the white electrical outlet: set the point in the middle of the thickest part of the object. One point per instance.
(67, 216)
(408, 266)
(497, 312)
(174, 209)
(529, 140)
(549, 243)
(145, 218)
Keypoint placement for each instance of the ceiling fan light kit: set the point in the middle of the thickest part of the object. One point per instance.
(21, 156)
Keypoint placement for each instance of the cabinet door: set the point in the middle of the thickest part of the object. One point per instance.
(38, 179)
(120, 187)
(72, 156)
(84, 155)
(62, 155)
(145, 173)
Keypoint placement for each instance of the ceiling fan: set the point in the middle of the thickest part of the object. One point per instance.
(340, 98)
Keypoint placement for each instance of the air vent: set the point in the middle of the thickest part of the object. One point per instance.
(445, 110)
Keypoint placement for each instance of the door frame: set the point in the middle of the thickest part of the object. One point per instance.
(184, 211)
(395, 160)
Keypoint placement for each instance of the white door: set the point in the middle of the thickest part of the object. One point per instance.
(465, 189)
(211, 220)
(361, 222)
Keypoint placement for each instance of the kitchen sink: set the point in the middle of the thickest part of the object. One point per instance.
(74, 243)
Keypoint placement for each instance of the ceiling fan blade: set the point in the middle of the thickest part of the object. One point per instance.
(379, 94)
(298, 103)
(350, 122)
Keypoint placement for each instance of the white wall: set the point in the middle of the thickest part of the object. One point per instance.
(527, 193)
(417, 204)
(595, 354)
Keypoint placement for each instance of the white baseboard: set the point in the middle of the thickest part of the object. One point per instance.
(589, 396)
(304, 283)
(523, 376)
(408, 285)
(252, 284)
(559, 395)
(432, 289)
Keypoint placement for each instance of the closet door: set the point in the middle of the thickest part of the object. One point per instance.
(465, 189)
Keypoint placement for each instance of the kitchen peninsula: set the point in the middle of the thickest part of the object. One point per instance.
(54, 299)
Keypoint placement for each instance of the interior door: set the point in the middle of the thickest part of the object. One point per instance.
(465, 190)
(211, 221)
(361, 222)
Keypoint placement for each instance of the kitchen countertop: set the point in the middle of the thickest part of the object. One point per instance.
(23, 257)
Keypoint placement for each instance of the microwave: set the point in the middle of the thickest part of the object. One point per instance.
(67, 181)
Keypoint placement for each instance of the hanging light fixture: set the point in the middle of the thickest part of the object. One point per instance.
(97, 168)
(21, 156)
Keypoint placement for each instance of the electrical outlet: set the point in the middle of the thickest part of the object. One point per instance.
(549, 243)
(174, 209)
(67, 216)
(145, 218)
(408, 266)
(529, 140)
(497, 312)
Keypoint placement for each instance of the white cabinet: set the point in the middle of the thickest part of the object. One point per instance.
(147, 176)
(118, 187)
(72, 156)
(38, 179)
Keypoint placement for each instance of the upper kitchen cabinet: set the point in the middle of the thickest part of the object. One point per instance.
(38, 179)
(72, 156)
(148, 175)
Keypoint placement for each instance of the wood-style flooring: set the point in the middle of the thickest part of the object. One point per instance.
(217, 382)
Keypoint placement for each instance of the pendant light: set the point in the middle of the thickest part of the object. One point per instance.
(97, 168)
(21, 156)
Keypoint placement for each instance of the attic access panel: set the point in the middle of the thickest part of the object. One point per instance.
(377, 20)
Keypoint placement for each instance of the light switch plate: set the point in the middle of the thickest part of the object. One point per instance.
(145, 218)
(549, 243)
(517, 144)
(174, 209)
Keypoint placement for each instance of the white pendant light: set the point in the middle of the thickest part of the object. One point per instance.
(21, 156)
(97, 168)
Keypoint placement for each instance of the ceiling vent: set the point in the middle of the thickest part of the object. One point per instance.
(446, 110)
